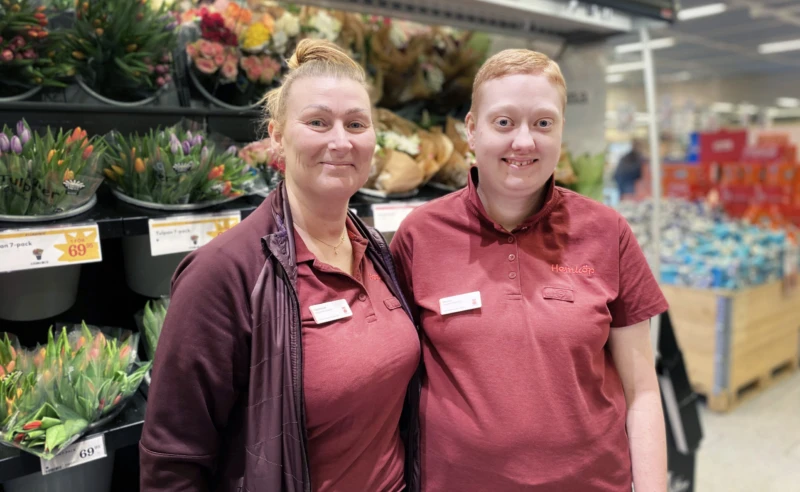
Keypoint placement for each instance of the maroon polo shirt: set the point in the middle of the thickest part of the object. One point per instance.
(355, 374)
(522, 394)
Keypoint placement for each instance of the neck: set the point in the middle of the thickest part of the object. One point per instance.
(510, 212)
(322, 219)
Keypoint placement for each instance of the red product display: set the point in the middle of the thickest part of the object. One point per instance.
(722, 146)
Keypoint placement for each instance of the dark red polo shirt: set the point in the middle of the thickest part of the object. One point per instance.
(355, 374)
(522, 394)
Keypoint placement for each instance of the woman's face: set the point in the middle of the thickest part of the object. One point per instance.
(327, 140)
(515, 132)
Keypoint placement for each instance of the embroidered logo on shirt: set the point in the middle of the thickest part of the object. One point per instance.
(581, 270)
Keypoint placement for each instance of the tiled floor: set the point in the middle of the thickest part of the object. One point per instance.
(756, 447)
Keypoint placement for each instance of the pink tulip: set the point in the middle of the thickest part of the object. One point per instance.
(192, 51)
(230, 70)
(7, 56)
(206, 66)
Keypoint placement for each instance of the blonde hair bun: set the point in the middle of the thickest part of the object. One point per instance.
(320, 50)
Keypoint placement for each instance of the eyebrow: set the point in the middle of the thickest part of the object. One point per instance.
(322, 107)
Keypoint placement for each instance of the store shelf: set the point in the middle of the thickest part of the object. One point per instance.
(124, 431)
(576, 22)
(117, 219)
(100, 119)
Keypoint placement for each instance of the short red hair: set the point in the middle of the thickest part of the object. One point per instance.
(520, 62)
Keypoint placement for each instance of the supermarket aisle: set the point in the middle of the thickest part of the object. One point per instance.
(755, 448)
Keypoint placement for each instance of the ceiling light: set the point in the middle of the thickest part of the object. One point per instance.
(702, 11)
(748, 109)
(625, 67)
(722, 107)
(788, 102)
(780, 46)
(614, 78)
(655, 44)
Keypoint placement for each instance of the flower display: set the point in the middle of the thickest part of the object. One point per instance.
(55, 392)
(152, 321)
(175, 167)
(28, 50)
(260, 156)
(48, 173)
(120, 58)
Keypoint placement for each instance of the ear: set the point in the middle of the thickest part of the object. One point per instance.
(275, 138)
(469, 126)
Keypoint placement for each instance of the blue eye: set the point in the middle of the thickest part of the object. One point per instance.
(503, 122)
(316, 123)
(357, 125)
(544, 123)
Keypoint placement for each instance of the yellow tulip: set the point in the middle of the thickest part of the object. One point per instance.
(139, 166)
(117, 169)
(110, 174)
(50, 155)
(69, 174)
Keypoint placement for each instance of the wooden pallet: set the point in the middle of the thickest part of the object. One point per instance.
(730, 399)
(736, 343)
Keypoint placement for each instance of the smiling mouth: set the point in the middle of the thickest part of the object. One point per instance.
(519, 162)
(337, 164)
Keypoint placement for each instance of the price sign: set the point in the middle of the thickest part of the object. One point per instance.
(187, 233)
(387, 217)
(24, 249)
(84, 451)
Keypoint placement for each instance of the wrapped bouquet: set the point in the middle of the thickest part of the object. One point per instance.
(47, 174)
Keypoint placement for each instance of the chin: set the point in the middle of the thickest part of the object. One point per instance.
(339, 186)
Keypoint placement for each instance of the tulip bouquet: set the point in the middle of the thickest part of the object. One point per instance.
(44, 174)
(152, 321)
(28, 50)
(260, 156)
(123, 47)
(74, 380)
(176, 166)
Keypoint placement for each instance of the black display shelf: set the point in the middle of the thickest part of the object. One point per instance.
(122, 432)
(99, 119)
(117, 219)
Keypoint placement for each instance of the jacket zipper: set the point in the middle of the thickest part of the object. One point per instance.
(298, 385)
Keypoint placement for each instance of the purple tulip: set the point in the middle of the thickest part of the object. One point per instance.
(174, 146)
(25, 136)
(189, 135)
(16, 145)
(197, 140)
(232, 150)
(20, 127)
(187, 147)
(4, 143)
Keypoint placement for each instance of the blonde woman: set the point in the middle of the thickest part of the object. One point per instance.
(288, 354)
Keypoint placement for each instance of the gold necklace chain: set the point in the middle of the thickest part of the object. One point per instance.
(335, 252)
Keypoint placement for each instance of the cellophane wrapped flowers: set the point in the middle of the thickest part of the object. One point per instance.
(260, 156)
(49, 173)
(56, 392)
(176, 166)
(123, 48)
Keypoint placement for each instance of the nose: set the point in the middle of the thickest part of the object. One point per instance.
(523, 141)
(340, 141)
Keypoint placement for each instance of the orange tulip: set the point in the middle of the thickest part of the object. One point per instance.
(87, 151)
(69, 174)
(139, 165)
(50, 155)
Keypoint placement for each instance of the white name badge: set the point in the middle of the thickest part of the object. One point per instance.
(456, 304)
(330, 311)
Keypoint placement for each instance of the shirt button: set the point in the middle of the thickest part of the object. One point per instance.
(512, 257)
(512, 275)
(362, 297)
(510, 239)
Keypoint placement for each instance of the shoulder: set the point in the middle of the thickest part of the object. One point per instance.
(435, 213)
(587, 212)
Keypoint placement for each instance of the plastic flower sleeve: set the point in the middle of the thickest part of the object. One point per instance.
(150, 321)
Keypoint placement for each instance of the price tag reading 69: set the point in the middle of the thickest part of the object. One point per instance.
(89, 449)
(22, 249)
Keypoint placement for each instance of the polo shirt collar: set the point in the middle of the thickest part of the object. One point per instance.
(303, 254)
(551, 198)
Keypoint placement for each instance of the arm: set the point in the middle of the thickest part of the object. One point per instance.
(633, 357)
(200, 364)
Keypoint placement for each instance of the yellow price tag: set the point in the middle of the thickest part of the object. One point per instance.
(79, 246)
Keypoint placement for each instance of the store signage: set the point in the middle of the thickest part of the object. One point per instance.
(388, 216)
(187, 233)
(84, 451)
(25, 249)
(722, 146)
